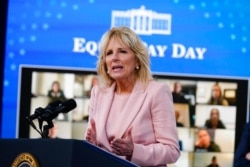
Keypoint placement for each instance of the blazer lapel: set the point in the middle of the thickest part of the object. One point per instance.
(132, 108)
(105, 102)
(129, 112)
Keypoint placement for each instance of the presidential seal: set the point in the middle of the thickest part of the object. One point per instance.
(25, 160)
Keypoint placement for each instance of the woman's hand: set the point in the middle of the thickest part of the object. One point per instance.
(248, 156)
(198, 144)
(124, 146)
(91, 133)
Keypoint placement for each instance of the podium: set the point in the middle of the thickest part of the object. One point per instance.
(58, 152)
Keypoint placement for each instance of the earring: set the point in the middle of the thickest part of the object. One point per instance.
(107, 71)
(137, 67)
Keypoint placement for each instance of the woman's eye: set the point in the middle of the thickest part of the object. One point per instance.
(123, 51)
(108, 53)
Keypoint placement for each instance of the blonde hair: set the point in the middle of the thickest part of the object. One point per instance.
(131, 39)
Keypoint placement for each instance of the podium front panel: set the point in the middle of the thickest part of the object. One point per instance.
(58, 152)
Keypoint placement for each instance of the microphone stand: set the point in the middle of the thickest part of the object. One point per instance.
(45, 130)
(33, 125)
(48, 114)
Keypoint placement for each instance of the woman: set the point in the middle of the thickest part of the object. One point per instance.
(178, 95)
(131, 115)
(214, 121)
(214, 162)
(204, 142)
(217, 97)
(56, 93)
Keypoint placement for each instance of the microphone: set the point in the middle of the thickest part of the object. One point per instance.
(64, 107)
(40, 111)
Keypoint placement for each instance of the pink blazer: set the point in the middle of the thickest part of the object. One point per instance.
(150, 112)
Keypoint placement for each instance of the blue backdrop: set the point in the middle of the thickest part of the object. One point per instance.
(209, 37)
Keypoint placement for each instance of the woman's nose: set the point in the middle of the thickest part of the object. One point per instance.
(115, 57)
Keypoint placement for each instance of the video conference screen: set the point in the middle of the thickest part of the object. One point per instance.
(202, 121)
(199, 118)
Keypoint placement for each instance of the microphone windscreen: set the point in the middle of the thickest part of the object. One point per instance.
(54, 104)
(68, 105)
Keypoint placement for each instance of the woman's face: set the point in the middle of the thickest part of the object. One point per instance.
(214, 115)
(120, 60)
(178, 87)
(55, 87)
(216, 92)
(204, 138)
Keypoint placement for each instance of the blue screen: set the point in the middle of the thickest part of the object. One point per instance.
(208, 37)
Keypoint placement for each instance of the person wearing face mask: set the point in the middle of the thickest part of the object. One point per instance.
(131, 114)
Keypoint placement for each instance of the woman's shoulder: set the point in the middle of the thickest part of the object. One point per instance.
(154, 84)
(102, 89)
(158, 88)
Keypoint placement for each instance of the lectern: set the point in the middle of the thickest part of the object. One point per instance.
(56, 153)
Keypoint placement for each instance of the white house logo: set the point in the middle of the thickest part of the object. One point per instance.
(142, 21)
(145, 22)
